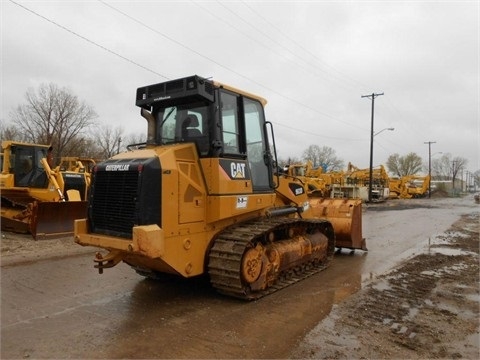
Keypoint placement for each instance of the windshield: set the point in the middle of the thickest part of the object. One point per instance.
(184, 123)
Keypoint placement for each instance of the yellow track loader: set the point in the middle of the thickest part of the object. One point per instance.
(203, 196)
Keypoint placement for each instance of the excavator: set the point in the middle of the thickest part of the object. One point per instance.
(204, 196)
(37, 199)
(409, 186)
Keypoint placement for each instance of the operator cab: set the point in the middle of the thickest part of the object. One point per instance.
(25, 164)
(221, 121)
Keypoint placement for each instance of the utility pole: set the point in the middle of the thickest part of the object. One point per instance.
(430, 167)
(118, 144)
(370, 182)
(453, 177)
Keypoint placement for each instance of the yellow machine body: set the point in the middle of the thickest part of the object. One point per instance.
(202, 196)
(35, 198)
(409, 186)
(345, 214)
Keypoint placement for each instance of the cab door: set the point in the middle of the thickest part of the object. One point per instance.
(243, 137)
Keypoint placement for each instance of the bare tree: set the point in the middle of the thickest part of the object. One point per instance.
(448, 167)
(53, 116)
(109, 140)
(324, 157)
(11, 132)
(282, 163)
(476, 178)
(409, 164)
(135, 138)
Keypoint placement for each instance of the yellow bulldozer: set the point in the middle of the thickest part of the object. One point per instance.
(204, 196)
(316, 183)
(37, 199)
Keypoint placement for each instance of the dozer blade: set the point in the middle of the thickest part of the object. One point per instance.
(345, 215)
(55, 218)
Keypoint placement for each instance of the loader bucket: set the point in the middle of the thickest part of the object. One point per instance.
(345, 215)
(54, 219)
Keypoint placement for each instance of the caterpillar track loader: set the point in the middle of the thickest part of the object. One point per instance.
(35, 198)
(202, 196)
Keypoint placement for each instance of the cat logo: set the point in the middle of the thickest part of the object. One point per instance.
(237, 170)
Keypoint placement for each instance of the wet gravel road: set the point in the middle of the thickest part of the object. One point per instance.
(55, 305)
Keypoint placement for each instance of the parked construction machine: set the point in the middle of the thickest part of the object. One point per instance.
(37, 199)
(203, 196)
(409, 186)
(360, 178)
(323, 191)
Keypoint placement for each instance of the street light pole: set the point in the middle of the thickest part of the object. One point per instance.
(370, 181)
(430, 167)
(391, 129)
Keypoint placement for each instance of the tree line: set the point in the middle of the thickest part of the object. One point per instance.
(54, 116)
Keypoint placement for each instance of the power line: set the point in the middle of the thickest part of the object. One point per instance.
(178, 43)
(342, 77)
(273, 40)
(226, 67)
(89, 41)
(318, 135)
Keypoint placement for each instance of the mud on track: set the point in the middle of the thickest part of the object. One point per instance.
(426, 308)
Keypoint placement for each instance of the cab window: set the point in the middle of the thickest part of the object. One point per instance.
(230, 128)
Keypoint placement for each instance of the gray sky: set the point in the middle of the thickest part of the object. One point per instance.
(312, 61)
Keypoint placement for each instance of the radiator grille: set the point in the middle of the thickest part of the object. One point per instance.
(120, 200)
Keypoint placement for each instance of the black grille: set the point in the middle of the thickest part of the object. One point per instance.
(125, 193)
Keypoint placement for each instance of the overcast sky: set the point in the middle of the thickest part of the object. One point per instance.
(312, 61)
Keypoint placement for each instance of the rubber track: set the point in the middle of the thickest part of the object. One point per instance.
(226, 255)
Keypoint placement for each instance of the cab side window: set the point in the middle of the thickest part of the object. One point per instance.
(230, 128)
(256, 145)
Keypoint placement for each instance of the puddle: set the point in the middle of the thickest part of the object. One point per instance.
(382, 285)
(412, 312)
(387, 321)
(473, 297)
(428, 302)
(457, 234)
(449, 251)
(446, 270)
(438, 239)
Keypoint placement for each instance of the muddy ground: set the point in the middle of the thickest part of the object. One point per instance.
(426, 307)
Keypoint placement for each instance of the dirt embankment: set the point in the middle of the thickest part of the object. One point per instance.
(426, 308)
